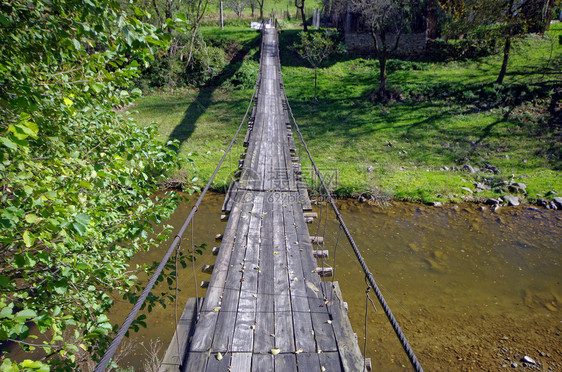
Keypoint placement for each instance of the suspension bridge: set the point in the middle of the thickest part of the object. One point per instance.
(266, 307)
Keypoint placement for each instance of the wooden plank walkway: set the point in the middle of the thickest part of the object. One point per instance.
(266, 308)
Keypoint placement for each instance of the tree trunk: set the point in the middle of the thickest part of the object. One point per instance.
(221, 18)
(303, 15)
(253, 7)
(506, 50)
(382, 53)
(261, 10)
(315, 79)
(382, 86)
(169, 13)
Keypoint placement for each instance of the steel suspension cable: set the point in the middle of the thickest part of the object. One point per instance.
(395, 326)
(136, 308)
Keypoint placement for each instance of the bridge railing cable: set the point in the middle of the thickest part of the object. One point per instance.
(102, 365)
(369, 276)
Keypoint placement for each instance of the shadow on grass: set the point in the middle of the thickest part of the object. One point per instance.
(183, 131)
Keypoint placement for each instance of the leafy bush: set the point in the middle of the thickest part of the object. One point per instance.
(207, 63)
(77, 179)
(459, 50)
(246, 75)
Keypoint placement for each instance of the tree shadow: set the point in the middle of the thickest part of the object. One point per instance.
(184, 130)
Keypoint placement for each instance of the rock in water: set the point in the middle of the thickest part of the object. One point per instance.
(528, 360)
(469, 169)
(492, 201)
(518, 187)
(512, 200)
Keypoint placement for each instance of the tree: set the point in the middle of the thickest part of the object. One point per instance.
(237, 6)
(300, 6)
(384, 18)
(316, 47)
(77, 178)
(260, 3)
(498, 19)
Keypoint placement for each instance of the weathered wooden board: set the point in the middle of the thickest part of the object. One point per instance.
(265, 326)
(262, 363)
(350, 354)
(204, 330)
(175, 354)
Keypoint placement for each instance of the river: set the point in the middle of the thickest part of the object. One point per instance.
(471, 288)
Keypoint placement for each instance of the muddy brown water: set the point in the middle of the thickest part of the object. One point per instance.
(472, 289)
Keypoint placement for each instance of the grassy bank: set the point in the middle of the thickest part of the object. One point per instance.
(447, 116)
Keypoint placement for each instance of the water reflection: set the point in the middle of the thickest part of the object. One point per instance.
(469, 287)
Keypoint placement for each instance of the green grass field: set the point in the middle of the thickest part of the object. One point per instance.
(447, 115)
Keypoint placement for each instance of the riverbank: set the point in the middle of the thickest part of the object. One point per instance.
(450, 135)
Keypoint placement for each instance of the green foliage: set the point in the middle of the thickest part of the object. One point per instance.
(246, 75)
(460, 50)
(317, 47)
(76, 177)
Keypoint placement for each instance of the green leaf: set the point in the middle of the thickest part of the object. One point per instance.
(30, 260)
(25, 314)
(31, 218)
(28, 238)
(61, 286)
(9, 144)
(76, 44)
(5, 21)
(4, 281)
(79, 228)
(19, 261)
(83, 218)
(85, 184)
(97, 87)
(6, 312)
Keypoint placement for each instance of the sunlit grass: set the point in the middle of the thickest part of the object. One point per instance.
(450, 115)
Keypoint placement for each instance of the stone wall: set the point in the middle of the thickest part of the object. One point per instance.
(409, 46)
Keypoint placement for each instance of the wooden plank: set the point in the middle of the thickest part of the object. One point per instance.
(323, 331)
(246, 313)
(241, 362)
(224, 328)
(172, 360)
(195, 362)
(349, 351)
(203, 335)
(330, 361)
(302, 322)
(231, 197)
(282, 302)
(281, 176)
(218, 362)
(308, 362)
(285, 363)
(262, 363)
(263, 341)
